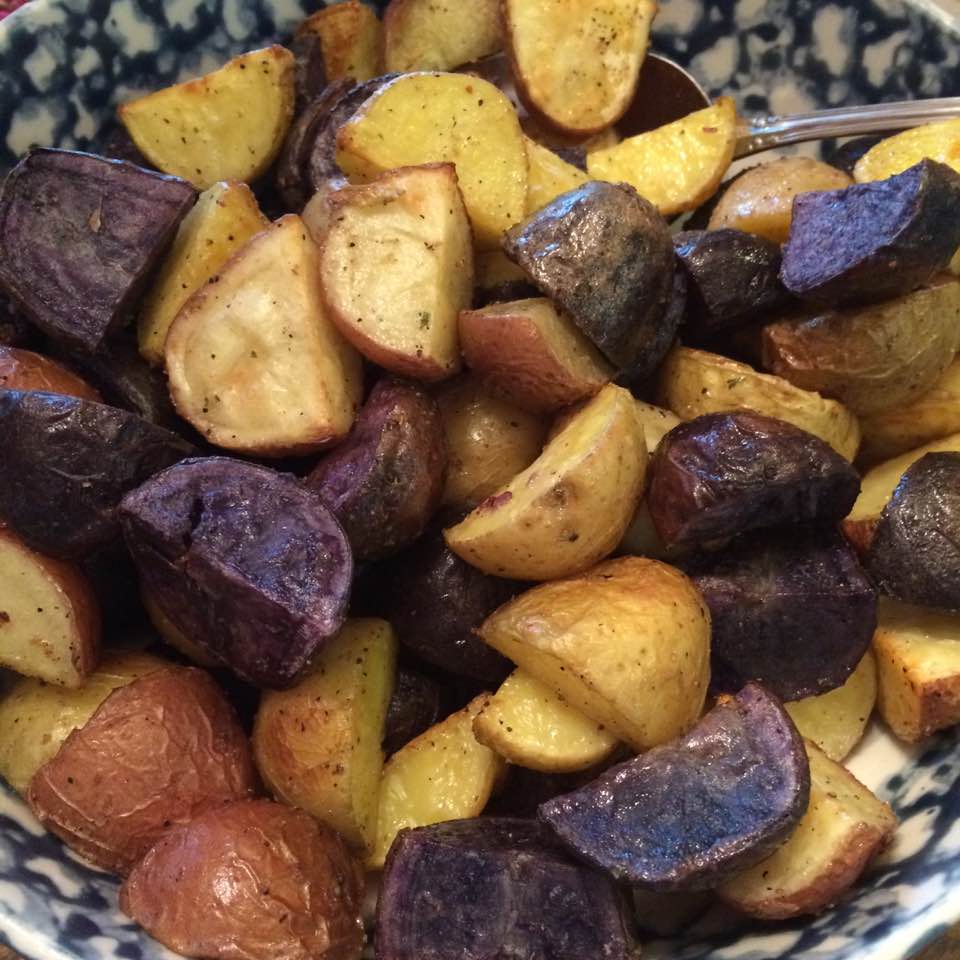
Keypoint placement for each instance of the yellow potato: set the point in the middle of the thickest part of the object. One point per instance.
(444, 774)
(445, 118)
(530, 725)
(678, 166)
(694, 382)
(626, 643)
(936, 141)
(493, 269)
(571, 506)
(350, 38)
(224, 218)
(655, 422)
(318, 745)
(227, 125)
(549, 175)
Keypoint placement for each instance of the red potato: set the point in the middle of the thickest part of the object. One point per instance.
(25, 370)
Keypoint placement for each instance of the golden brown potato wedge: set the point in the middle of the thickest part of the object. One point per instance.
(350, 37)
(227, 125)
(694, 382)
(439, 34)
(626, 643)
(678, 166)
(530, 725)
(254, 364)
(760, 201)
(49, 616)
(25, 370)
(396, 268)
(576, 64)
(892, 155)
(224, 218)
(489, 441)
(845, 826)
(318, 745)
(549, 175)
(571, 506)
(530, 353)
(918, 669)
(444, 774)
(445, 118)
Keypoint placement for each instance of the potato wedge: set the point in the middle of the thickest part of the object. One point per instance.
(254, 363)
(531, 354)
(350, 38)
(892, 155)
(836, 720)
(655, 422)
(49, 616)
(694, 382)
(918, 669)
(571, 506)
(444, 774)
(427, 35)
(396, 268)
(24, 370)
(227, 125)
(317, 746)
(549, 175)
(845, 826)
(530, 725)
(445, 118)
(36, 717)
(626, 643)
(676, 167)
(576, 64)
(224, 218)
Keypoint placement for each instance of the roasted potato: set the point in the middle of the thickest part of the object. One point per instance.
(82, 457)
(396, 268)
(36, 717)
(414, 708)
(350, 39)
(892, 155)
(174, 637)
(252, 879)
(531, 354)
(245, 561)
(79, 235)
(722, 474)
(444, 118)
(309, 70)
(873, 241)
(549, 175)
(227, 125)
(677, 166)
(571, 506)
(225, 217)
(426, 35)
(576, 64)
(655, 422)
(497, 280)
(694, 382)
(109, 791)
(530, 725)
(846, 154)
(15, 329)
(845, 826)
(318, 745)
(495, 886)
(918, 669)
(253, 360)
(444, 774)
(626, 643)
(25, 370)
(693, 812)
(790, 608)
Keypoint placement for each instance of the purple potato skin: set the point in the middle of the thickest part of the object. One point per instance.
(495, 888)
(414, 708)
(79, 236)
(688, 814)
(15, 330)
(722, 474)
(847, 155)
(915, 553)
(873, 241)
(66, 465)
(791, 608)
(245, 560)
(385, 481)
(310, 71)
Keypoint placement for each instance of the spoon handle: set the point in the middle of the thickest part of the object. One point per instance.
(755, 134)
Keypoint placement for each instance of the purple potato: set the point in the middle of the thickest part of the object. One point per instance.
(688, 814)
(66, 465)
(847, 155)
(310, 71)
(246, 561)
(414, 708)
(79, 236)
(15, 330)
(495, 888)
(722, 474)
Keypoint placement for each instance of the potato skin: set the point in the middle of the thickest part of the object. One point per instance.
(252, 879)
(386, 480)
(25, 370)
(414, 708)
(157, 752)
(722, 474)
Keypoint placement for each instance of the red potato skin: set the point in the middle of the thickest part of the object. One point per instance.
(157, 753)
(25, 370)
(251, 880)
